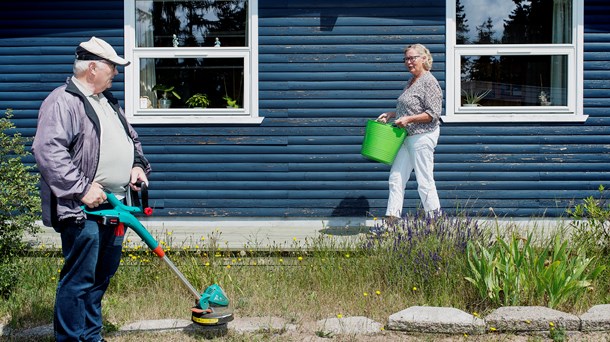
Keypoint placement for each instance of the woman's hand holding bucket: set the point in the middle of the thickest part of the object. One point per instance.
(384, 117)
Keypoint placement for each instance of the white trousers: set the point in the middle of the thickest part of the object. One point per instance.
(416, 153)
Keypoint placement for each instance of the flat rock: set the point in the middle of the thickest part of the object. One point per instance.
(159, 325)
(34, 334)
(596, 319)
(356, 325)
(253, 324)
(429, 319)
(530, 318)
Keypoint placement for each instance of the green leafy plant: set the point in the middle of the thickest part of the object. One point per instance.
(230, 102)
(198, 100)
(591, 225)
(472, 97)
(510, 273)
(19, 203)
(166, 91)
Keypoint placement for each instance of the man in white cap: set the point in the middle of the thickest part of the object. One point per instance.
(83, 147)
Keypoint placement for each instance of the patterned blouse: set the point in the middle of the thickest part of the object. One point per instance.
(424, 95)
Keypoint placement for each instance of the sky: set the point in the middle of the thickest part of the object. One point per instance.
(477, 12)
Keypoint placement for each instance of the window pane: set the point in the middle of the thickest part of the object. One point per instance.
(514, 22)
(216, 78)
(515, 80)
(195, 23)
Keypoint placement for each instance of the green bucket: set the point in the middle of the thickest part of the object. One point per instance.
(382, 141)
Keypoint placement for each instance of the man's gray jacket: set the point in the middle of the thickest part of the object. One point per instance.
(67, 148)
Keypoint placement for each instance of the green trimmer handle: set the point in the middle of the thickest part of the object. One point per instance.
(125, 214)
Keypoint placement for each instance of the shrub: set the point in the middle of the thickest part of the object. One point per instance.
(19, 202)
(591, 225)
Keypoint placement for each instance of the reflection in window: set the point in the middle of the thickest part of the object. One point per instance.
(196, 23)
(515, 80)
(514, 22)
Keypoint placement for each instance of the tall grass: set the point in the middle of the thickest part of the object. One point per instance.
(421, 261)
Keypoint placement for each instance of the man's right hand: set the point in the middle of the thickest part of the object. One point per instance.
(95, 196)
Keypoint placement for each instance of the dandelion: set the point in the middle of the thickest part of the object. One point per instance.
(169, 233)
(207, 264)
(202, 238)
(465, 335)
(551, 324)
(228, 266)
(492, 329)
(339, 316)
(347, 255)
(475, 314)
(378, 292)
(53, 278)
(300, 258)
(414, 288)
(374, 219)
(365, 294)
(281, 260)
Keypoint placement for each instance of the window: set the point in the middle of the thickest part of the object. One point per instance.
(515, 61)
(192, 61)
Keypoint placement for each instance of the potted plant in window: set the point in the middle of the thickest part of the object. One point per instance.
(472, 98)
(230, 102)
(198, 100)
(166, 91)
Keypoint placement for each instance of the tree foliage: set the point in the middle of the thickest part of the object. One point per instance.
(19, 202)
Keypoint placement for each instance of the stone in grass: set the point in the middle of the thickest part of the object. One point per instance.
(348, 326)
(531, 318)
(596, 319)
(427, 319)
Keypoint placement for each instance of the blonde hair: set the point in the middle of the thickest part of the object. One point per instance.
(423, 51)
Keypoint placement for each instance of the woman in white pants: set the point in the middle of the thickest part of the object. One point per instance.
(418, 110)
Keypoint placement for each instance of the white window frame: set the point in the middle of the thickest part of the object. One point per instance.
(573, 112)
(246, 115)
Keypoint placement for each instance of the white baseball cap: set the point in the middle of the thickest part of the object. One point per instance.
(96, 49)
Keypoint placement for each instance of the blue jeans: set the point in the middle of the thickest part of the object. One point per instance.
(92, 253)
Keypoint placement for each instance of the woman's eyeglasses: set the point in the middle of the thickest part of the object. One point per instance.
(410, 58)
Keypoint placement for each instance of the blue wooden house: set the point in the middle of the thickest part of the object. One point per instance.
(290, 86)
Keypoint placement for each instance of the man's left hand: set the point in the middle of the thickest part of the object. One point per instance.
(137, 176)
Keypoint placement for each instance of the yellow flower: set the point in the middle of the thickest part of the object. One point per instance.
(52, 278)
(365, 294)
(281, 260)
(202, 238)
(374, 219)
(414, 288)
(551, 324)
(492, 329)
(347, 255)
(300, 258)
(465, 335)
(228, 266)
(475, 314)
(527, 321)
(169, 233)
(207, 264)
(294, 239)
(378, 292)
(339, 316)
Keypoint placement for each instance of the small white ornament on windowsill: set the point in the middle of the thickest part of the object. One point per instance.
(544, 101)
(217, 42)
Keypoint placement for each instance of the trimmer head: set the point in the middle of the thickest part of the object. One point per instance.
(212, 308)
(213, 315)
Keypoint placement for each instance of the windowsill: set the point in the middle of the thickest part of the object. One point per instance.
(478, 118)
(193, 119)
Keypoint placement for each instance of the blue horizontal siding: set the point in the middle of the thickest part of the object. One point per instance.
(325, 67)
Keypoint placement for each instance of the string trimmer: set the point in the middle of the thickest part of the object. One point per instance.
(211, 306)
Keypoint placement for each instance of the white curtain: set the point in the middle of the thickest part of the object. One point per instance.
(562, 34)
(145, 38)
